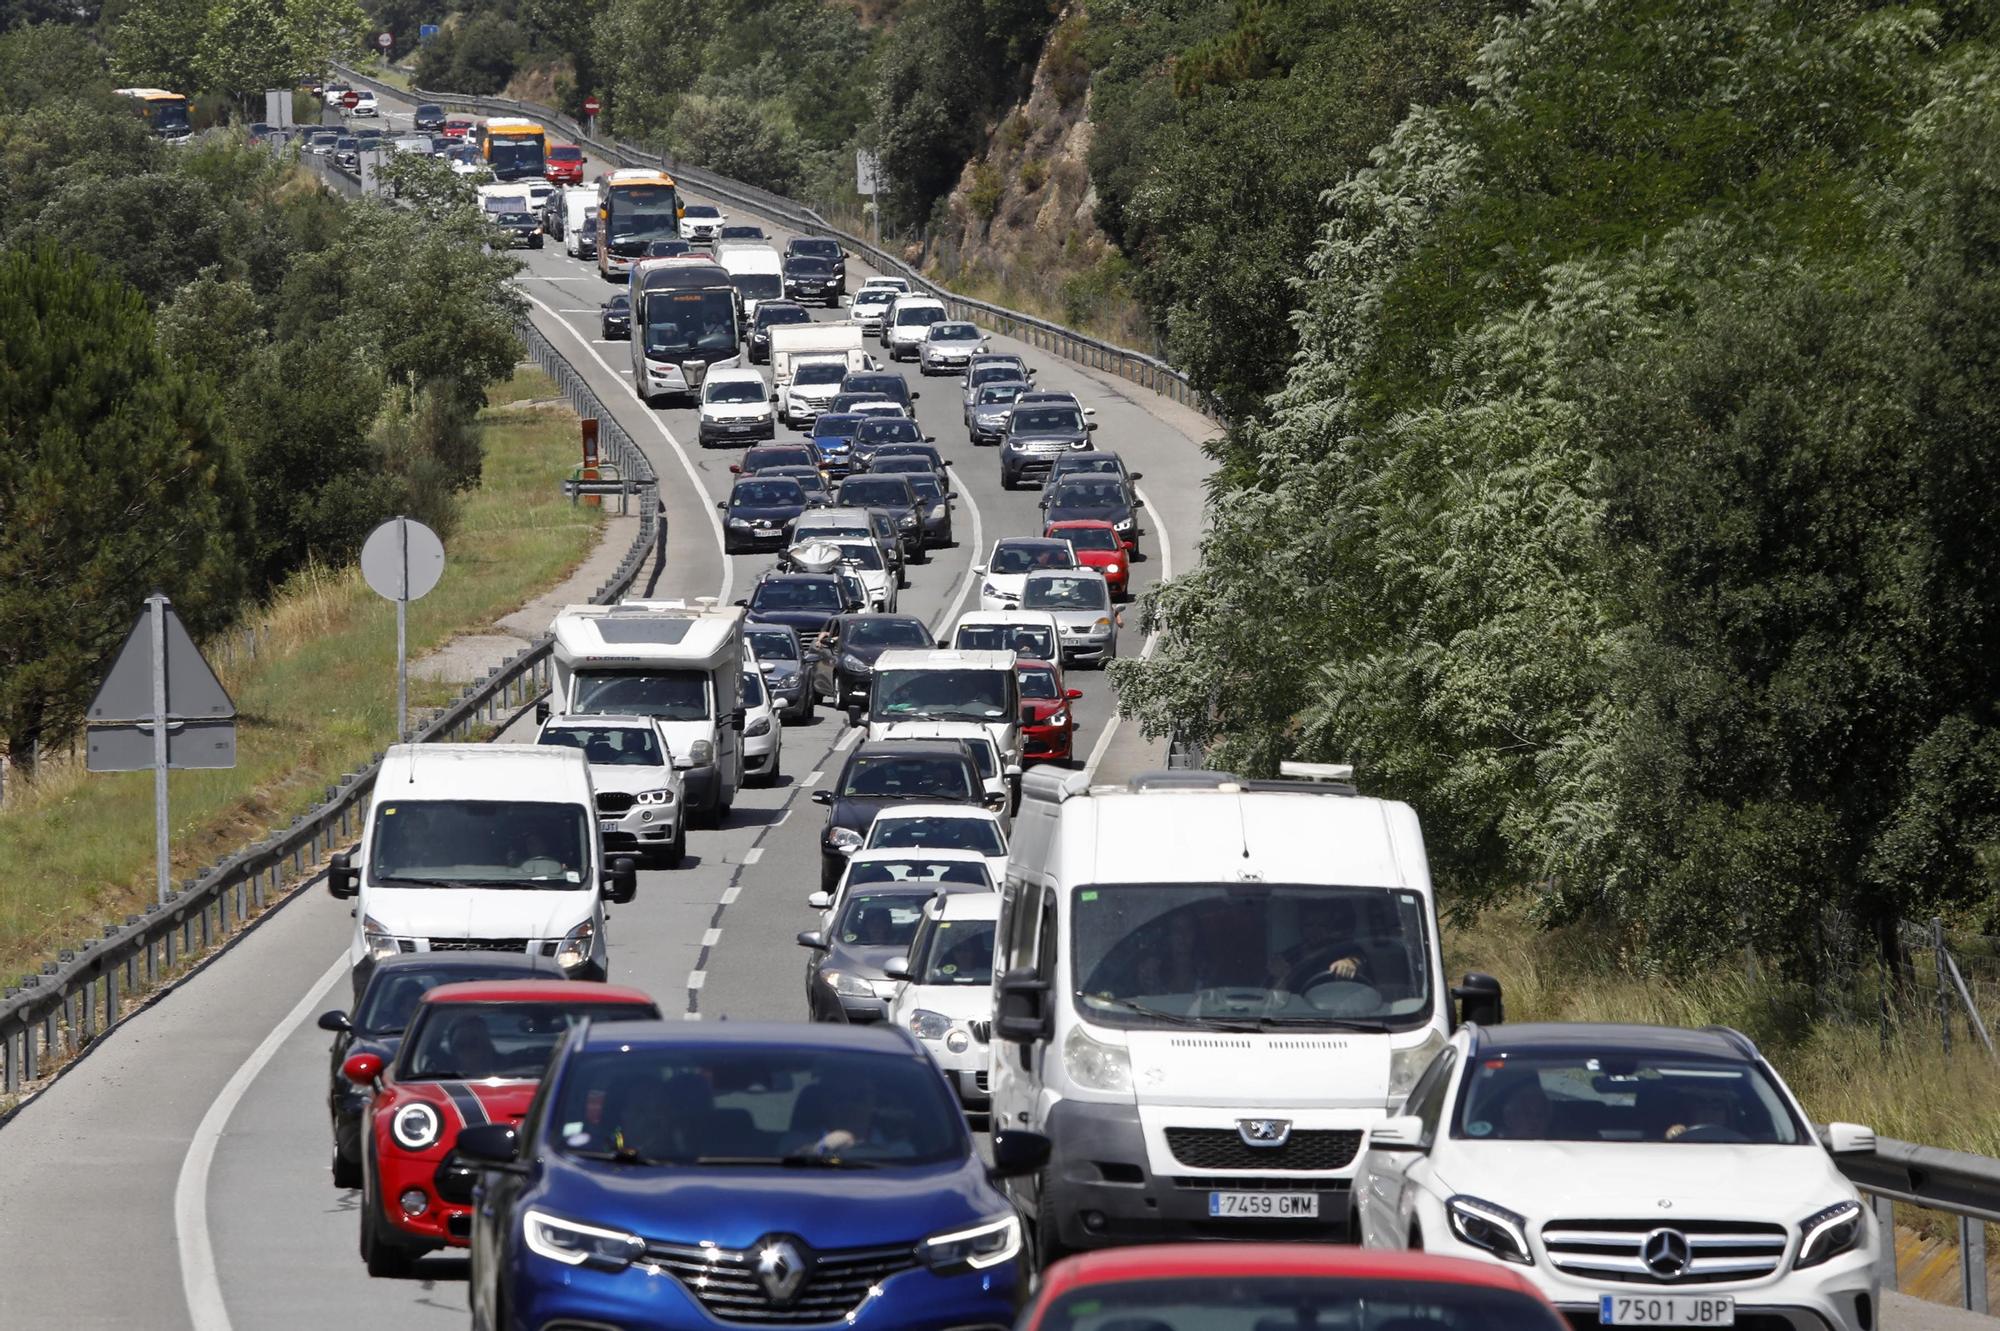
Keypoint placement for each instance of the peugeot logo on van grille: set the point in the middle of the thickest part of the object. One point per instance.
(1267, 1132)
(1666, 1253)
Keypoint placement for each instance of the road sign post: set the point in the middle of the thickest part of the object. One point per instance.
(385, 41)
(591, 106)
(350, 99)
(402, 560)
(162, 707)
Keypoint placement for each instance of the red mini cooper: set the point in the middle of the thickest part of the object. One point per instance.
(474, 1054)
(1098, 545)
(1048, 722)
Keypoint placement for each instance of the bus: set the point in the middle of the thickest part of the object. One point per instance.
(166, 112)
(635, 206)
(513, 149)
(684, 324)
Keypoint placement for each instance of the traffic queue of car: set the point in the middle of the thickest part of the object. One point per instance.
(1058, 1032)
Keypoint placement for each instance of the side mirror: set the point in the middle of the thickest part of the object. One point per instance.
(914, 395)
(335, 1021)
(1136, 476)
(1403, 1133)
(1072, 694)
(931, 439)
(735, 469)
(1017, 1153)
(997, 803)
(1089, 425)
(897, 968)
(1019, 997)
(362, 1069)
(822, 797)
(854, 715)
(744, 603)
(621, 884)
(951, 494)
(820, 900)
(1138, 502)
(1850, 1139)
(1479, 1000)
(489, 1143)
(722, 505)
(342, 878)
(814, 939)
(737, 718)
(979, 569)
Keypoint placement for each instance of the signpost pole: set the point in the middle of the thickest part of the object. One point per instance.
(156, 614)
(402, 632)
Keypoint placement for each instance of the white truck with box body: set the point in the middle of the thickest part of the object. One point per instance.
(791, 343)
(481, 847)
(1207, 991)
(681, 664)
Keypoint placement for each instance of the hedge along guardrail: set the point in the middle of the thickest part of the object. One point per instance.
(1148, 372)
(84, 991)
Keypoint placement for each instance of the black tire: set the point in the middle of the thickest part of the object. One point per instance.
(1049, 1247)
(383, 1256)
(677, 848)
(770, 778)
(346, 1173)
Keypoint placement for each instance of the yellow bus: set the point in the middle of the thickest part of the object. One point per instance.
(514, 149)
(635, 206)
(166, 112)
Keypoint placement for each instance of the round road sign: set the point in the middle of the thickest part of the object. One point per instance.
(590, 106)
(402, 560)
(350, 99)
(385, 41)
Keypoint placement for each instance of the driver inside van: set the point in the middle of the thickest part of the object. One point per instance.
(1327, 947)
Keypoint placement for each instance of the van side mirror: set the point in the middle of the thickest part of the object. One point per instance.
(335, 1022)
(1022, 1002)
(342, 878)
(1478, 998)
(1403, 1133)
(1016, 1153)
(897, 968)
(621, 884)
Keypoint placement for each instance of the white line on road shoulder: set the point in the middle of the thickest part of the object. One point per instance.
(696, 979)
(967, 581)
(752, 855)
(847, 740)
(200, 1282)
(710, 937)
(730, 894)
(1098, 749)
(810, 780)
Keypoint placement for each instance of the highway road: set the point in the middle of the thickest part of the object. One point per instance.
(178, 1175)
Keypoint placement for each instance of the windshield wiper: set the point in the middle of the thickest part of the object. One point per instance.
(1325, 1024)
(796, 1160)
(426, 882)
(623, 1155)
(1159, 1014)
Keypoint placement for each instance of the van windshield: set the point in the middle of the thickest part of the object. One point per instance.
(1247, 955)
(944, 695)
(671, 695)
(480, 843)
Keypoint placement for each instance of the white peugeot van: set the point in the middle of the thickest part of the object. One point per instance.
(481, 848)
(1208, 990)
(910, 684)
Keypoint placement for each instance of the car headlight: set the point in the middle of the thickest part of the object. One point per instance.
(844, 840)
(1096, 1066)
(1125, 524)
(973, 1249)
(378, 940)
(573, 1244)
(1493, 1228)
(739, 522)
(1102, 625)
(1408, 1064)
(575, 949)
(928, 1025)
(848, 986)
(906, 521)
(1059, 717)
(654, 797)
(761, 726)
(1829, 1233)
(853, 665)
(701, 753)
(415, 1126)
(988, 589)
(958, 1041)
(1112, 568)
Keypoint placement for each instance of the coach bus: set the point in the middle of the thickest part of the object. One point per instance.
(635, 206)
(513, 149)
(166, 112)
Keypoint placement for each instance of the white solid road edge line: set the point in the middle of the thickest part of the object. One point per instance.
(1098, 749)
(199, 1280)
(966, 581)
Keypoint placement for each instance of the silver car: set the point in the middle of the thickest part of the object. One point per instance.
(986, 370)
(1080, 600)
(949, 347)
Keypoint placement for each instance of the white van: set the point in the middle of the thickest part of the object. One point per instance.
(910, 684)
(1208, 990)
(579, 209)
(481, 847)
(757, 273)
(678, 663)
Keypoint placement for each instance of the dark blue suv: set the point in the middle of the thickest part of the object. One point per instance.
(676, 1175)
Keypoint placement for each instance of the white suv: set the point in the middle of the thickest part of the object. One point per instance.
(908, 322)
(1639, 1175)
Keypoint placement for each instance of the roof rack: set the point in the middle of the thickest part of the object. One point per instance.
(1317, 771)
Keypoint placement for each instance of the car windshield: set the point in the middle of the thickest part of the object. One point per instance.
(609, 746)
(480, 843)
(1038, 684)
(1236, 953)
(1087, 492)
(836, 428)
(393, 994)
(1027, 556)
(1619, 1095)
(1046, 420)
(918, 869)
(890, 386)
(770, 316)
(772, 646)
(797, 594)
(619, 304)
(733, 390)
(1295, 1303)
(1036, 642)
(808, 265)
(891, 430)
(700, 212)
(783, 455)
(953, 333)
(926, 484)
(944, 695)
(758, 286)
(861, 554)
(511, 1041)
(1000, 394)
(885, 631)
(932, 832)
(564, 154)
(880, 919)
(1091, 538)
(735, 1106)
(884, 491)
(1059, 592)
(956, 952)
(912, 315)
(766, 493)
(819, 372)
(671, 695)
(826, 249)
(681, 322)
(913, 776)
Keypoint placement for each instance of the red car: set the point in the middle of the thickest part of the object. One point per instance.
(1097, 546)
(474, 1054)
(565, 164)
(456, 129)
(1283, 1286)
(1048, 723)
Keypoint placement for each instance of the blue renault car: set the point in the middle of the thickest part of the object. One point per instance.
(682, 1175)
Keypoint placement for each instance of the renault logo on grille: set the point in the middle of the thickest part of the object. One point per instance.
(1264, 1131)
(1666, 1253)
(781, 1269)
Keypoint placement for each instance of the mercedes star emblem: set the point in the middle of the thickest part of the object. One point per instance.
(1666, 1253)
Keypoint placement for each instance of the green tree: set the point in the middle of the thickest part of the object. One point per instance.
(739, 139)
(46, 60)
(113, 483)
(158, 43)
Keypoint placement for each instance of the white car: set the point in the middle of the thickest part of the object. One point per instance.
(1032, 635)
(907, 323)
(640, 797)
(948, 347)
(945, 992)
(886, 407)
(1080, 600)
(366, 106)
(870, 304)
(763, 735)
(864, 558)
(1639, 1175)
(735, 407)
(1006, 570)
(702, 221)
(814, 384)
(942, 827)
(539, 194)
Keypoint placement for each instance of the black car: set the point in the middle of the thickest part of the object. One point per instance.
(818, 493)
(849, 650)
(427, 117)
(895, 496)
(765, 456)
(1037, 435)
(819, 247)
(886, 382)
(742, 231)
(382, 1012)
(847, 402)
(586, 240)
(878, 432)
(806, 601)
(772, 314)
(812, 279)
(1092, 462)
(883, 774)
(759, 513)
(935, 495)
(614, 317)
(1094, 496)
(666, 249)
(922, 447)
(876, 924)
(787, 663)
(516, 227)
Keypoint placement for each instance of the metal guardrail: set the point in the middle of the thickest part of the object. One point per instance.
(83, 993)
(1956, 1182)
(1148, 372)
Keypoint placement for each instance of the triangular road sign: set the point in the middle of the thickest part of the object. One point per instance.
(193, 691)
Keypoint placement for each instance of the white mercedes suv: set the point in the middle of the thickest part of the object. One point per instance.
(1639, 1175)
